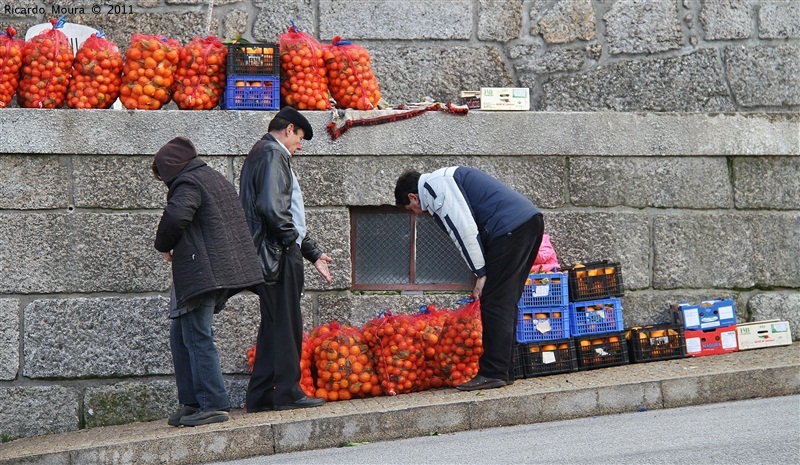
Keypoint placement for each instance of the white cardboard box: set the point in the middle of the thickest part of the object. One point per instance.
(505, 98)
(763, 334)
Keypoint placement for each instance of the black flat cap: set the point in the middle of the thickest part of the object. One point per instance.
(293, 116)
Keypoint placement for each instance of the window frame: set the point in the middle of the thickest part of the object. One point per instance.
(355, 211)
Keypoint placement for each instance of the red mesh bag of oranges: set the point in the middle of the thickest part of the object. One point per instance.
(461, 344)
(148, 72)
(350, 79)
(10, 63)
(344, 365)
(304, 84)
(46, 66)
(200, 76)
(396, 345)
(96, 74)
(433, 322)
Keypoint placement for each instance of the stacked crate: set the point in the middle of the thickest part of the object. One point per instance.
(709, 327)
(253, 77)
(656, 342)
(543, 329)
(595, 312)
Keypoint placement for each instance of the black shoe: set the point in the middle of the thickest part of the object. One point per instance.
(257, 409)
(481, 382)
(303, 402)
(509, 382)
(204, 418)
(175, 418)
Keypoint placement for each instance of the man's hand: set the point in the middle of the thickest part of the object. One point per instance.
(321, 266)
(167, 256)
(479, 287)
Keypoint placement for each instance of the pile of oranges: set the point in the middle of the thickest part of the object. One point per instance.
(10, 62)
(149, 71)
(96, 76)
(46, 66)
(200, 75)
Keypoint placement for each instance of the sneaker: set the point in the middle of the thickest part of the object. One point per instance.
(204, 418)
(175, 418)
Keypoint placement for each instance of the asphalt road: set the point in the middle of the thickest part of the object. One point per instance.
(746, 432)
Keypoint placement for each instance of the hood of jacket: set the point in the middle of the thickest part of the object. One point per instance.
(173, 157)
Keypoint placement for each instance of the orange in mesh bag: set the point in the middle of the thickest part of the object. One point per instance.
(96, 74)
(461, 344)
(46, 66)
(200, 76)
(149, 71)
(10, 63)
(397, 347)
(433, 319)
(344, 365)
(350, 78)
(304, 84)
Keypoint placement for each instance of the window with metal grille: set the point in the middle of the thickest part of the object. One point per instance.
(393, 249)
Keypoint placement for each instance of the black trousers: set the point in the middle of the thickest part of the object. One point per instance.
(508, 262)
(276, 371)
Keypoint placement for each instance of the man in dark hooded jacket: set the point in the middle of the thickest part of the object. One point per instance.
(204, 234)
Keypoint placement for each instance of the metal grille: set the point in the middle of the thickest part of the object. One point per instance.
(383, 247)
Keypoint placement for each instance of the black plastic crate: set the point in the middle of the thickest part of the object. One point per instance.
(595, 280)
(254, 59)
(656, 342)
(601, 350)
(545, 358)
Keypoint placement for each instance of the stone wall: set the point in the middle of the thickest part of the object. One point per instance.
(693, 206)
(574, 55)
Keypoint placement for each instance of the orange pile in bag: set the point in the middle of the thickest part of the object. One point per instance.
(461, 344)
(96, 74)
(306, 359)
(396, 345)
(149, 71)
(46, 66)
(344, 366)
(10, 62)
(304, 84)
(434, 320)
(200, 76)
(350, 78)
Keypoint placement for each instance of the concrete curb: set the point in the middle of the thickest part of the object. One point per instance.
(667, 384)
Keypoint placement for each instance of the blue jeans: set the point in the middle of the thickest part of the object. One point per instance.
(194, 356)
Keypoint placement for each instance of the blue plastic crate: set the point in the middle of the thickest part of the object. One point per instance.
(545, 290)
(252, 93)
(705, 315)
(543, 324)
(595, 316)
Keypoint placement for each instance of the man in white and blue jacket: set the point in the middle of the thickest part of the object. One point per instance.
(498, 232)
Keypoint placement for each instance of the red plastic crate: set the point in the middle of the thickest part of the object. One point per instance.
(714, 341)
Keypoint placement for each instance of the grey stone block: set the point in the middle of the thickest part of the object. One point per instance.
(359, 309)
(273, 17)
(580, 237)
(38, 410)
(643, 26)
(727, 19)
(129, 402)
(236, 330)
(564, 405)
(80, 252)
(123, 182)
(766, 183)
(34, 182)
(653, 307)
(331, 229)
(629, 397)
(408, 73)
(550, 61)
(9, 338)
(741, 251)
(764, 76)
(508, 411)
(98, 337)
(688, 83)
(670, 182)
(779, 19)
(776, 305)
(499, 20)
(568, 21)
(235, 24)
(373, 19)
(183, 26)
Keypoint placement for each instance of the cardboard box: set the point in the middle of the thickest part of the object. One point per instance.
(471, 98)
(505, 98)
(759, 334)
(715, 341)
(705, 315)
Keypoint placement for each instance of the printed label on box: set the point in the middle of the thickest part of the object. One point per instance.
(542, 291)
(548, 357)
(728, 340)
(693, 345)
(691, 317)
(543, 326)
(726, 313)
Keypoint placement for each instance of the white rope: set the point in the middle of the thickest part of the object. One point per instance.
(208, 18)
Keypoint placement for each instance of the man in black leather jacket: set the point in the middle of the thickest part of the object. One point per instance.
(274, 209)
